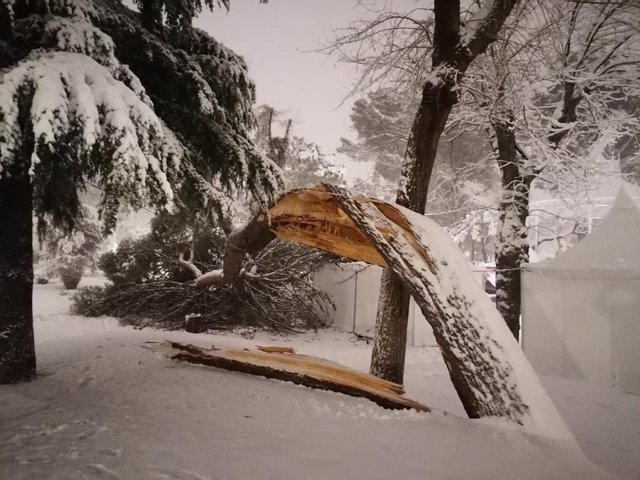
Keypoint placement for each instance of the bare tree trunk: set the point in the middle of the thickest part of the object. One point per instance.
(151, 15)
(513, 246)
(387, 358)
(438, 97)
(389, 346)
(17, 350)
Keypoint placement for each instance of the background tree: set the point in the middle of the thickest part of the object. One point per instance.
(175, 14)
(303, 163)
(463, 173)
(68, 255)
(86, 94)
(439, 46)
(550, 94)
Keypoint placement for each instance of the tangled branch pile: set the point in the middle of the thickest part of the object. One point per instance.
(153, 286)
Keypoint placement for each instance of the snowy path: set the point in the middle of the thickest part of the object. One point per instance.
(106, 407)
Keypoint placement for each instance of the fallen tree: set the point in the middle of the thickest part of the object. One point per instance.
(486, 365)
(284, 364)
(152, 282)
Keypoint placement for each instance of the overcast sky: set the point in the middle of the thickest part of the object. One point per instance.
(277, 41)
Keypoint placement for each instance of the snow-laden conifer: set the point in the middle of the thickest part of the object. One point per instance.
(159, 117)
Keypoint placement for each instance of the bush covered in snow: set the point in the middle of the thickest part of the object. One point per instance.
(68, 254)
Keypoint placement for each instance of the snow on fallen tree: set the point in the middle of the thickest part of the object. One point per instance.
(284, 364)
(485, 363)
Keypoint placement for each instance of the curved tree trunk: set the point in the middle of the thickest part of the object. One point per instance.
(17, 350)
(486, 365)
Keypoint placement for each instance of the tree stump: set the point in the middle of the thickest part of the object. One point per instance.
(193, 323)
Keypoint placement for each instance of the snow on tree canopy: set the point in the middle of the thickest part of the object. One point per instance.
(153, 119)
(74, 99)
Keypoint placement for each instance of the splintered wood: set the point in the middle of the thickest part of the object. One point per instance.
(311, 217)
(281, 363)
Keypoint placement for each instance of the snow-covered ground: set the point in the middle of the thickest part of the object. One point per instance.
(106, 406)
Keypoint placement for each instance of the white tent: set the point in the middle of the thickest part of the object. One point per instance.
(581, 310)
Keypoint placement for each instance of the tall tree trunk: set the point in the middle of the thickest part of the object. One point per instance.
(390, 338)
(17, 350)
(389, 347)
(151, 15)
(513, 247)
(450, 61)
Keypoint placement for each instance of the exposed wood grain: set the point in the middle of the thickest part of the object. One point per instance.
(300, 369)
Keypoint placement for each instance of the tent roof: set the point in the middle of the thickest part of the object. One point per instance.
(610, 251)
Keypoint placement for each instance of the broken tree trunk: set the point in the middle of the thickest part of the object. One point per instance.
(486, 365)
(313, 372)
(251, 239)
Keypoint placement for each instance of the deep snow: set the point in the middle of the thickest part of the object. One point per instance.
(106, 406)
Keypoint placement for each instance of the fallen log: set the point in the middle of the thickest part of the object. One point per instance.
(300, 369)
(275, 349)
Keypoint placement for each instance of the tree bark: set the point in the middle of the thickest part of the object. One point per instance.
(387, 358)
(450, 61)
(389, 345)
(17, 349)
(513, 246)
(151, 15)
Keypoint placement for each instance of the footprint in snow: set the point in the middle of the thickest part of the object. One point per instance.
(176, 474)
(98, 470)
(86, 381)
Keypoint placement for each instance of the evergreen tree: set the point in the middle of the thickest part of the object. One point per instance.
(462, 175)
(88, 95)
(303, 163)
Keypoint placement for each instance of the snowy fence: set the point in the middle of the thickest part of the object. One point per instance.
(355, 288)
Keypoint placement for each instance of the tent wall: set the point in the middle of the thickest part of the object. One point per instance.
(542, 325)
(585, 329)
(340, 284)
(626, 336)
(355, 289)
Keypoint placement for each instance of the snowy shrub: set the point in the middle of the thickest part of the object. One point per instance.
(71, 274)
(69, 254)
(90, 302)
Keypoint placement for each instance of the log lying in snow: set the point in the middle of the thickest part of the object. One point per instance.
(275, 349)
(300, 369)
